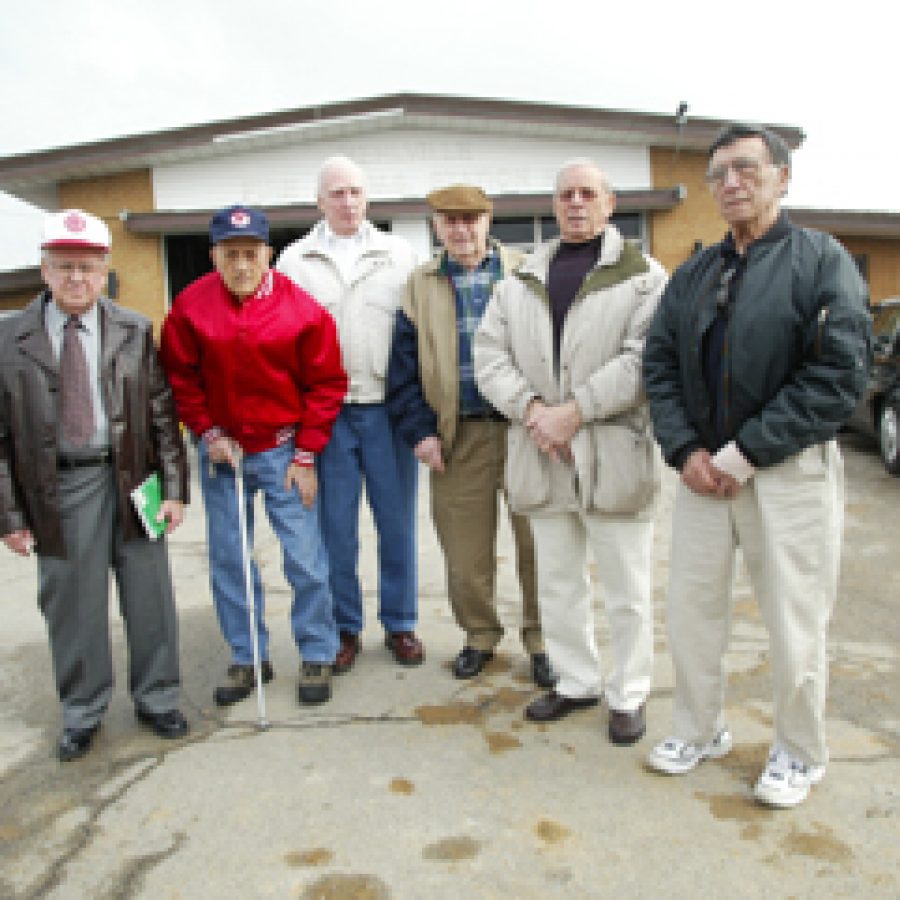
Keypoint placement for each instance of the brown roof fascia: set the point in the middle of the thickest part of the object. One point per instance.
(43, 165)
(851, 223)
(303, 214)
(25, 279)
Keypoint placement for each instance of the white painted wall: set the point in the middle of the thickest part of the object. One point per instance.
(400, 163)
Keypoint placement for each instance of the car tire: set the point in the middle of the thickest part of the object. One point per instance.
(889, 434)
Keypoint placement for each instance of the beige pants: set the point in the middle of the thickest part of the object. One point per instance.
(464, 503)
(622, 551)
(787, 520)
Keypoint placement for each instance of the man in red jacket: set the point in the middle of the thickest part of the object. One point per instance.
(255, 367)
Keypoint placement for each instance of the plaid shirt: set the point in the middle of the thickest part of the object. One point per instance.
(472, 291)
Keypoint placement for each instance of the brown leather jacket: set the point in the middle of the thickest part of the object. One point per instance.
(143, 426)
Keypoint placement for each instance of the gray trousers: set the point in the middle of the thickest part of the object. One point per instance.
(73, 595)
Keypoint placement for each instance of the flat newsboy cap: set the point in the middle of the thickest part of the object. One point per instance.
(75, 228)
(238, 222)
(459, 198)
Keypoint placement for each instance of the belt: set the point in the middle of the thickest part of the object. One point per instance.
(101, 458)
(487, 416)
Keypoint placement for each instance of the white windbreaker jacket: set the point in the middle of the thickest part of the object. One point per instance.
(364, 305)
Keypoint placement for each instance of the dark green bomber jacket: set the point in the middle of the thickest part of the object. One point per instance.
(800, 348)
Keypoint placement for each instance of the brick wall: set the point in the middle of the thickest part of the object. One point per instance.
(883, 260)
(674, 231)
(136, 259)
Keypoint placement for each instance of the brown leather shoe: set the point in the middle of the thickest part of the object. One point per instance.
(554, 706)
(406, 647)
(347, 653)
(627, 727)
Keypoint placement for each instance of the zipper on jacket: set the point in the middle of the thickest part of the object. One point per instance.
(820, 330)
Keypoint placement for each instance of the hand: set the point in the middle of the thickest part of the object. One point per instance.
(223, 450)
(430, 452)
(304, 479)
(553, 427)
(703, 478)
(171, 511)
(21, 542)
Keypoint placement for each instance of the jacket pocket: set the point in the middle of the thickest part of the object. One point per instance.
(627, 473)
(527, 472)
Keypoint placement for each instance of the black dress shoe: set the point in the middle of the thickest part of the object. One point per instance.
(627, 727)
(470, 661)
(169, 724)
(554, 706)
(541, 672)
(75, 742)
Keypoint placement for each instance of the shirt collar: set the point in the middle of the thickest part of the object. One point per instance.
(330, 239)
(450, 266)
(779, 229)
(56, 318)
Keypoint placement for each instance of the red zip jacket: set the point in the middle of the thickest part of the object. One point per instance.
(254, 368)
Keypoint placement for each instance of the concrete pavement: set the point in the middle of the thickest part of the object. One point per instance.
(411, 784)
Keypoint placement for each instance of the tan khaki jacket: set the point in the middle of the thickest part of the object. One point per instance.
(429, 303)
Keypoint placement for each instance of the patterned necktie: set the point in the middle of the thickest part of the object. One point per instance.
(75, 388)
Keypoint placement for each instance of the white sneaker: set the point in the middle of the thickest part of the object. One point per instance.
(675, 756)
(786, 781)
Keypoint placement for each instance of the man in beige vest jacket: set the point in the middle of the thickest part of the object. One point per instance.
(439, 412)
(559, 353)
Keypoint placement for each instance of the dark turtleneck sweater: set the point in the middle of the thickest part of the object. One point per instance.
(568, 269)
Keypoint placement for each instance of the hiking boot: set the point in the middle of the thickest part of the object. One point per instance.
(240, 682)
(315, 683)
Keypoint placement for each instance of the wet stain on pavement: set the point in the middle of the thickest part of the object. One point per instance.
(449, 714)
(401, 786)
(745, 761)
(508, 699)
(498, 742)
(315, 857)
(737, 808)
(821, 844)
(452, 849)
(347, 887)
(551, 832)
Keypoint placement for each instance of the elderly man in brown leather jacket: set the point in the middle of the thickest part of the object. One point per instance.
(86, 415)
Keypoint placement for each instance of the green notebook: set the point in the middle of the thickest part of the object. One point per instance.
(147, 499)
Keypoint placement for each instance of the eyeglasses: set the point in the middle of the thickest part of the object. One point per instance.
(86, 268)
(585, 193)
(743, 167)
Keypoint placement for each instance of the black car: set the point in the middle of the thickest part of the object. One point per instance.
(878, 414)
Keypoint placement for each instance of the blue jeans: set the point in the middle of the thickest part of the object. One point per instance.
(363, 444)
(304, 561)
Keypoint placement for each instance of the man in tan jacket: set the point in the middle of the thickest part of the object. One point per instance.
(559, 353)
(438, 411)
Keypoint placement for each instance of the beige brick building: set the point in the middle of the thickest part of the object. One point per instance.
(156, 191)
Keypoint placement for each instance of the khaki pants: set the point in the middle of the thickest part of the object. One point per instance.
(622, 551)
(788, 521)
(464, 501)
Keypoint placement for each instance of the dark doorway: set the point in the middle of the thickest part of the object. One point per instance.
(187, 255)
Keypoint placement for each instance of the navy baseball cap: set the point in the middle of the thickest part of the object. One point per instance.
(238, 222)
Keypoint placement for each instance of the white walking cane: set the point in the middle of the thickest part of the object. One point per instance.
(262, 723)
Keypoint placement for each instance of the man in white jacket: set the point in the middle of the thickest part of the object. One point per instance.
(559, 353)
(358, 273)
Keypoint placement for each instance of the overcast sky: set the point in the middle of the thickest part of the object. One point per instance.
(83, 71)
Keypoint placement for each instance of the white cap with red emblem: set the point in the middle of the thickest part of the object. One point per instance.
(75, 228)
